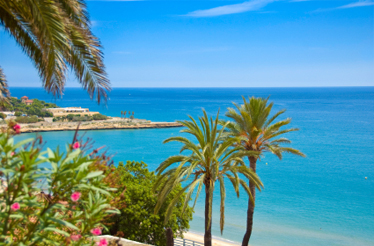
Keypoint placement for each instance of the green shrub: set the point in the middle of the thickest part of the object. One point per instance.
(2, 116)
(18, 113)
(99, 117)
(70, 117)
(70, 202)
(81, 118)
(137, 203)
(26, 119)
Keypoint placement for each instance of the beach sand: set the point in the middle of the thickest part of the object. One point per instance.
(200, 238)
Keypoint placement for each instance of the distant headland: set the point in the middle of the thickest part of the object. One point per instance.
(38, 116)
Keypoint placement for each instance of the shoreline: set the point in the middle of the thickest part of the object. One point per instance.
(197, 237)
(97, 125)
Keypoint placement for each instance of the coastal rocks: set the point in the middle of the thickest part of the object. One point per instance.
(99, 125)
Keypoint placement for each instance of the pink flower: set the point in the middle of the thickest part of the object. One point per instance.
(75, 237)
(96, 231)
(12, 154)
(17, 128)
(102, 242)
(75, 196)
(15, 206)
(76, 145)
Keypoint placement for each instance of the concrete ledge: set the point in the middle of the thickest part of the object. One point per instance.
(121, 241)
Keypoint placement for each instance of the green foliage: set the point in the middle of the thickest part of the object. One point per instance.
(2, 116)
(99, 117)
(256, 131)
(4, 91)
(70, 116)
(259, 132)
(47, 214)
(26, 119)
(132, 117)
(210, 161)
(137, 220)
(36, 108)
(57, 37)
(77, 118)
(82, 118)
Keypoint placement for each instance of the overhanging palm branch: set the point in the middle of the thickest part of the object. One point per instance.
(56, 35)
(212, 159)
(4, 91)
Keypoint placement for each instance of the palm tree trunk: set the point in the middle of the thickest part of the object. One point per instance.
(208, 216)
(251, 206)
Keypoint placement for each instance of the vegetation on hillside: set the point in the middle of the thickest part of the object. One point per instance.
(37, 107)
(77, 118)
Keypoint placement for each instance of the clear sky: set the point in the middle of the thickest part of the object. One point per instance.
(257, 43)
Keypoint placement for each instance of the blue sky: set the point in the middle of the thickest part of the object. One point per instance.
(258, 43)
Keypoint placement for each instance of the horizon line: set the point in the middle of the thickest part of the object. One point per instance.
(216, 87)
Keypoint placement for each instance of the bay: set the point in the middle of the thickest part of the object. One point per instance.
(323, 199)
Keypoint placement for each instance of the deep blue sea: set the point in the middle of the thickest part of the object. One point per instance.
(323, 199)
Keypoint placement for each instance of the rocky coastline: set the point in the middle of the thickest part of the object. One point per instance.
(95, 125)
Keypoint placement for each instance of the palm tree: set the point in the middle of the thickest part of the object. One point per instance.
(211, 160)
(124, 114)
(121, 114)
(258, 133)
(56, 35)
(4, 92)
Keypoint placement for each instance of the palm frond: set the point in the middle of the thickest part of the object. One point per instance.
(56, 35)
(4, 91)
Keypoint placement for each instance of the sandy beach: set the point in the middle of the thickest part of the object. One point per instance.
(216, 242)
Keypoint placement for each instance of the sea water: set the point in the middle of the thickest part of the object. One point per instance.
(323, 199)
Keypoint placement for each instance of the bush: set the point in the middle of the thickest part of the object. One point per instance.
(46, 113)
(70, 117)
(99, 117)
(26, 119)
(136, 201)
(18, 113)
(62, 210)
(132, 117)
(82, 118)
(2, 116)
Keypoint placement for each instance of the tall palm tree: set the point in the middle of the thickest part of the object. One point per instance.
(121, 114)
(259, 133)
(212, 159)
(56, 35)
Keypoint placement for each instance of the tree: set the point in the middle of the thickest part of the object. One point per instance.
(258, 133)
(210, 161)
(2, 116)
(121, 114)
(137, 201)
(17, 113)
(56, 36)
(124, 114)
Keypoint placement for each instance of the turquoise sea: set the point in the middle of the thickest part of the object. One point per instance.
(323, 199)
